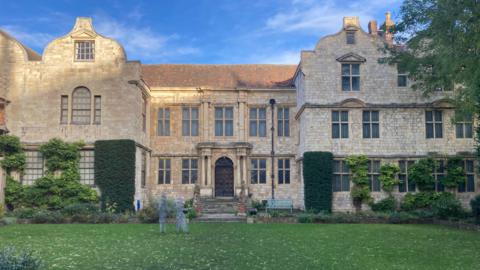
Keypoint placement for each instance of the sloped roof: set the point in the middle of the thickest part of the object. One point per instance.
(219, 76)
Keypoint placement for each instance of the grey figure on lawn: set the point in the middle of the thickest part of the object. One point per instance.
(162, 213)
(181, 219)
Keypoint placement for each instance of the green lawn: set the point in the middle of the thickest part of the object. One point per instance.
(243, 246)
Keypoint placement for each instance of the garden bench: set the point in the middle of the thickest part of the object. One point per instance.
(276, 204)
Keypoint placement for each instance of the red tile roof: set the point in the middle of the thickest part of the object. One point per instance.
(220, 76)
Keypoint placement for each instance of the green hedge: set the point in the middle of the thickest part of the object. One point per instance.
(317, 176)
(115, 173)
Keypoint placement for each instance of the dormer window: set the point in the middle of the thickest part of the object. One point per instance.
(85, 50)
(350, 37)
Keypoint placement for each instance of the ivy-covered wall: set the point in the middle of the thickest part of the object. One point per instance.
(317, 176)
(115, 173)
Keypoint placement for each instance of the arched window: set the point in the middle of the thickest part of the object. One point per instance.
(81, 106)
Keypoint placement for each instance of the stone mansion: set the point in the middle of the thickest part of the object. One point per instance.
(212, 126)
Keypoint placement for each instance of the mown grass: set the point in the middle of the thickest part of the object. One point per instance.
(243, 246)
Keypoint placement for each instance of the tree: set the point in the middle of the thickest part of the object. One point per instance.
(441, 49)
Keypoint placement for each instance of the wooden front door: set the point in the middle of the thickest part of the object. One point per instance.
(224, 177)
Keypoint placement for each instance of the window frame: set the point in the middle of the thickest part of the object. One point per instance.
(283, 171)
(352, 40)
(163, 130)
(257, 122)
(350, 76)
(434, 124)
(64, 109)
(189, 171)
(188, 120)
(465, 124)
(77, 107)
(223, 121)
(404, 172)
(84, 52)
(404, 81)
(469, 174)
(164, 171)
(370, 124)
(97, 109)
(258, 173)
(374, 174)
(283, 122)
(343, 174)
(143, 170)
(439, 172)
(340, 123)
(34, 163)
(86, 167)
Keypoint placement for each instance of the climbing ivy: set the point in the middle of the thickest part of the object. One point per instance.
(421, 174)
(13, 156)
(455, 172)
(61, 156)
(360, 192)
(388, 176)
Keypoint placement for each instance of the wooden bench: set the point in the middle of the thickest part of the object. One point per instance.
(276, 204)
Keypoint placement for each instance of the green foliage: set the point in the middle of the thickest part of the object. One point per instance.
(420, 200)
(305, 218)
(317, 175)
(259, 205)
(48, 192)
(12, 260)
(191, 213)
(455, 172)
(446, 205)
(14, 161)
(14, 193)
(80, 209)
(2, 210)
(24, 213)
(47, 217)
(475, 204)
(9, 144)
(361, 190)
(11, 149)
(115, 173)
(421, 174)
(61, 156)
(385, 205)
(388, 176)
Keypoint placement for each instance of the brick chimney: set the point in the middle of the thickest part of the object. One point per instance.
(372, 27)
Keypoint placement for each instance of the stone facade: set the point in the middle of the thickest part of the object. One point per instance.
(34, 88)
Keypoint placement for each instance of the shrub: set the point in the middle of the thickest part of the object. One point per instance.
(104, 218)
(12, 260)
(9, 144)
(2, 211)
(80, 209)
(14, 194)
(148, 214)
(259, 205)
(421, 174)
(420, 200)
(60, 155)
(191, 214)
(385, 205)
(446, 205)
(56, 193)
(475, 204)
(401, 217)
(24, 213)
(14, 161)
(317, 175)
(43, 216)
(305, 218)
(115, 173)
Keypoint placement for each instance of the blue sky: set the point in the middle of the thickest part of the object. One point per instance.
(194, 31)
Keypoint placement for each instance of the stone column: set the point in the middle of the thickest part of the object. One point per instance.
(209, 171)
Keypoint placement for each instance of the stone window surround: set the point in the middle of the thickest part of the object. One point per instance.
(165, 127)
(190, 170)
(223, 120)
(373, 175)
(261, 171)
(257, 121)
(402, 78)
(351, 76)
(370, 124)
(69, 103)
(340, 123)
(86, 56)
(164, 171)
(34, 167)
(436, 124)
(284, 131)
(284, 170)
(350, 37)
(465, 125)
(189, 121)
(86, 167)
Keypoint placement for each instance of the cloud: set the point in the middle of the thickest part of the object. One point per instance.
(141, 42)
(35, 40)
(279, 57)
(323, 16)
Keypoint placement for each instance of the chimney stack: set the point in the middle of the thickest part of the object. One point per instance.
(372, 27)
(389, 24)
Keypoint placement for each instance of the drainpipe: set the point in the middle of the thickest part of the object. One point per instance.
(272, 153)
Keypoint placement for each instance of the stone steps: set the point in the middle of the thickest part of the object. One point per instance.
(220, 218)
(219, 210)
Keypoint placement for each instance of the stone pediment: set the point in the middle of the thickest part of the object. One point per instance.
(351, 57)
(351, 103)
(83, 34)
